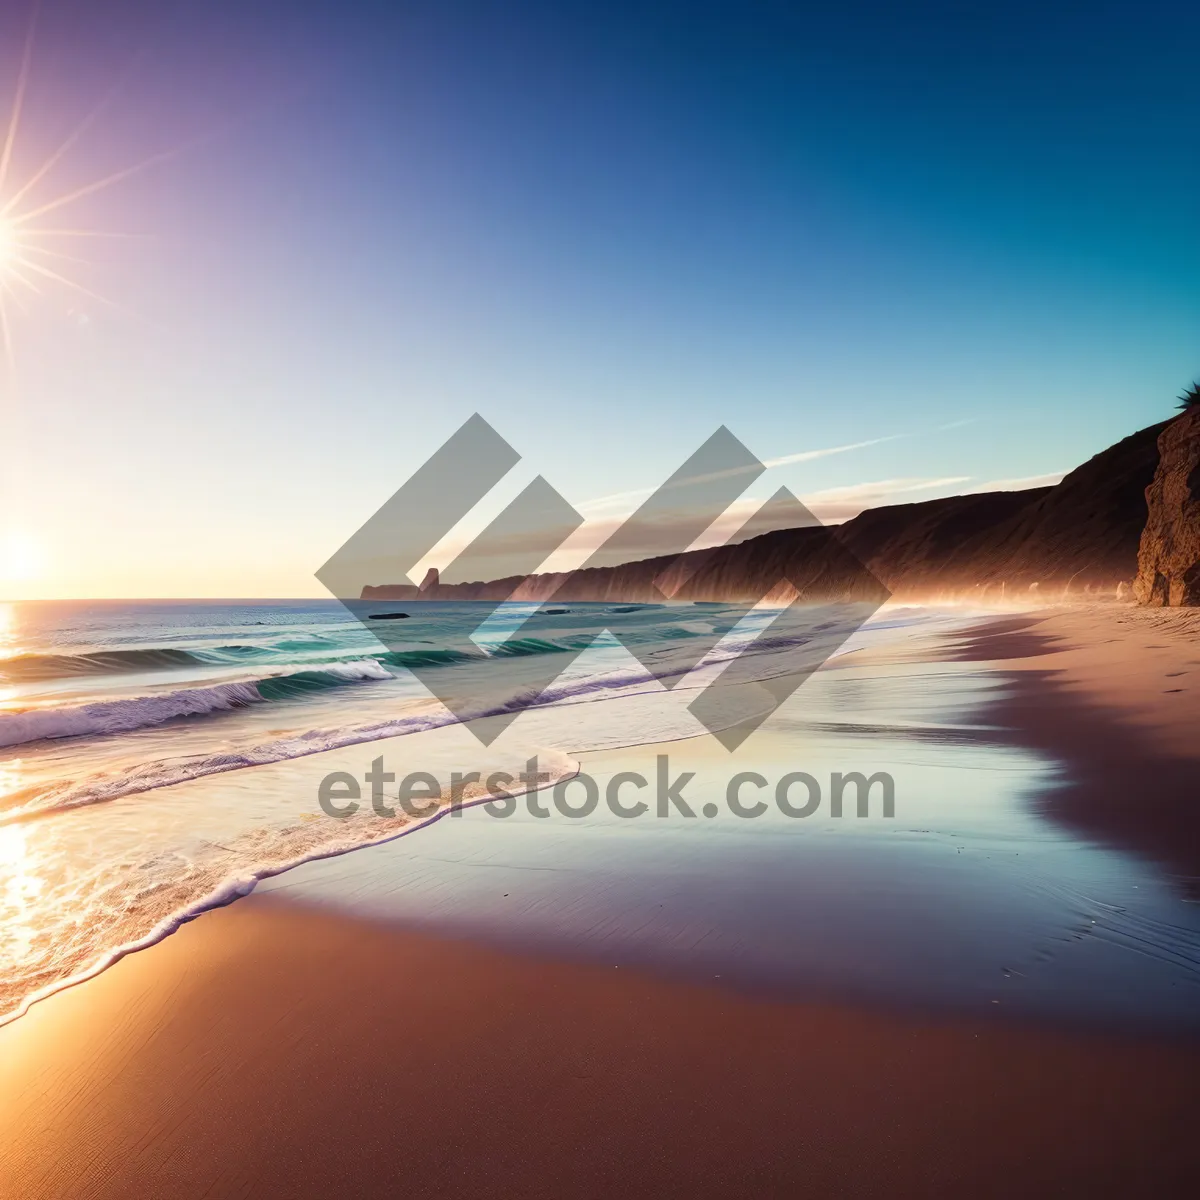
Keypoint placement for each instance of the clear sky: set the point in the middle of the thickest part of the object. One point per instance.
(964, 233)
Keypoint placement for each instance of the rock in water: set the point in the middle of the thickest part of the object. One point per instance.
(430, 582)
(1169, 555)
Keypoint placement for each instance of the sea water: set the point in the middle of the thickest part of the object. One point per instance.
(160, 759)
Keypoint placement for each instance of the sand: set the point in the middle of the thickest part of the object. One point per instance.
(1112, 692)
(271, 1050)
(1138, 667)
(264, 1051)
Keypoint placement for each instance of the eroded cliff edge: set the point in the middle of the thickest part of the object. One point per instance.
(1169, 552)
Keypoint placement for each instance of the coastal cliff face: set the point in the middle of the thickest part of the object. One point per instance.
(1169, 555)
(1079, 536)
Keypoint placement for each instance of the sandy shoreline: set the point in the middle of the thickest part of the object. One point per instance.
(1112, 692)
(265, 1051)
(268, 1049)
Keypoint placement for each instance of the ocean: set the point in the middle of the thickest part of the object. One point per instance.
(161, 759)
(113, 716)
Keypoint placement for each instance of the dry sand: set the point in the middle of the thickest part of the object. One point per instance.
(271, 1051)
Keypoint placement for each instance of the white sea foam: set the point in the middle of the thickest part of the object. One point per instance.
(139, 872)
(154, 836)
(140, 712)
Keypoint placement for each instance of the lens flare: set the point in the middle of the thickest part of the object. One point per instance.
(27, 245)
(9, 245)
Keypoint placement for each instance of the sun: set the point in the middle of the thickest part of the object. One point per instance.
(33, 252)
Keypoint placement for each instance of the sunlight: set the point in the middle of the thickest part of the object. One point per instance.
(12, 779)
(18, 889)
(9, 247)
(24, 243)
(22, 558)
(8, 649)
(12, 845)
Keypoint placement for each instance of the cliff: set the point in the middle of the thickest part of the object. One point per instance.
(1169, 554)
(1081, 535)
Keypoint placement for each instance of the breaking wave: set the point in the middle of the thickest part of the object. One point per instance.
(141, 712)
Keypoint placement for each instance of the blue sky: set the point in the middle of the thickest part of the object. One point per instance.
(970, 231)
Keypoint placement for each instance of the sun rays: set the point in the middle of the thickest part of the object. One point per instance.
(36, 257)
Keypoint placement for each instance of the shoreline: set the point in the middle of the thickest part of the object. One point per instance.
(1123, 732)
(273, 1049)
(1055, 691)
(227, 888)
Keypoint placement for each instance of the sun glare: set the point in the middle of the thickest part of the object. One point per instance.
(8, 244)
(28, 244)
(22, 557)
(12, 845)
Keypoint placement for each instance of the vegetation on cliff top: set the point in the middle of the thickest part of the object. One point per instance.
(1191, 398)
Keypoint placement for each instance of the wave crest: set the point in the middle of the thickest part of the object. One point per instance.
(141, 712)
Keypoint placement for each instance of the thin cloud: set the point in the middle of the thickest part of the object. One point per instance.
(834, 505)
(831, 506)
(615, 499)
(809, 455)
(1021, 484)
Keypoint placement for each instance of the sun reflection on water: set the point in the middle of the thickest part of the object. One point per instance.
(9, 647)
(8, 631)
(11, 775)
(19, 888)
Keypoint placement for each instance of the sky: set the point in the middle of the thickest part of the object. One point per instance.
(900, 251)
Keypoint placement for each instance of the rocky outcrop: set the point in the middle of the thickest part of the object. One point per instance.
(1169, 554)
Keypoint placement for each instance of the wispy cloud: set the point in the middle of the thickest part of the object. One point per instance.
(1021, 484)
(743, 518)
(622, 500)
(810, 455)
(748, 517)
(834, 505)
(837, 504)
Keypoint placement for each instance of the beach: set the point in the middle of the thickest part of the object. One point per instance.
(269, 1052)
(316, 1038)
(598, 601)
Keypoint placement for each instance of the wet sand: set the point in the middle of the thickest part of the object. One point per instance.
(273, 1050)
(1113, 693)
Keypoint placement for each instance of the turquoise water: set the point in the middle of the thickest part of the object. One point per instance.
(159, 759)
(156, 759)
